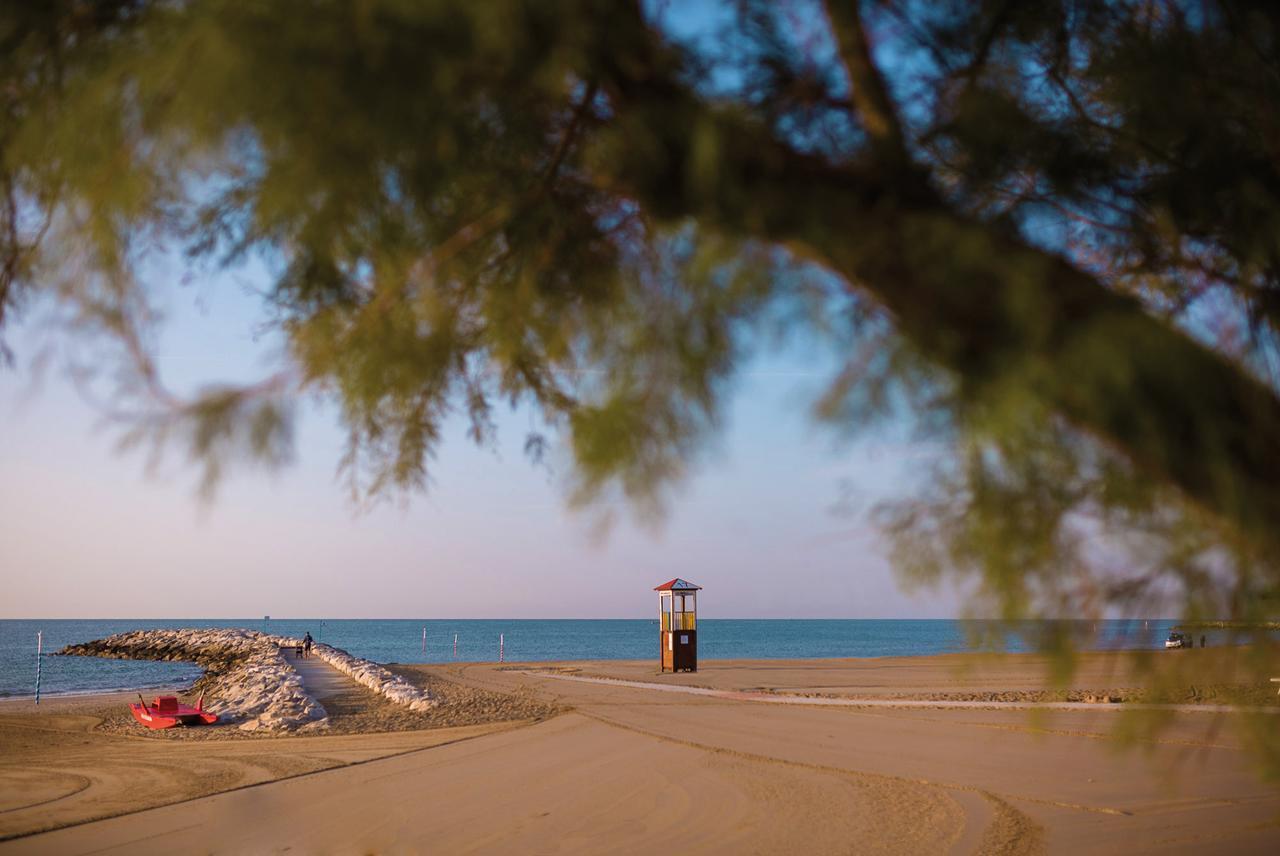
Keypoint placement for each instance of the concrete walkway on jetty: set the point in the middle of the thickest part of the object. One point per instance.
(325, 683)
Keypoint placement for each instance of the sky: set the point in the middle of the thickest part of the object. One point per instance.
(771, 520)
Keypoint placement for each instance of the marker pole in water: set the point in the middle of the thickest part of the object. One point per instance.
(39, 657)
(424, 638)
(455, 646)
(501, 642)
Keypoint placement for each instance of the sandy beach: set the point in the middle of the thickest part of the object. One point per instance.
(527, 761)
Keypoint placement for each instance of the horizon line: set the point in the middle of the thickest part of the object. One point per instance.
(593, 618)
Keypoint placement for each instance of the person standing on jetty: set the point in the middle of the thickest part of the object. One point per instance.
(306, 644)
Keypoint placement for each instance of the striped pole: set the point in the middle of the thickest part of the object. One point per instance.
(455, 646)
(39, 652)
(501, 643)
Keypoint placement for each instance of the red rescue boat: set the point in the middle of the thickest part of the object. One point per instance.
(166, 712)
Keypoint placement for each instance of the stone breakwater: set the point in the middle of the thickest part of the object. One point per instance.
(395, 688)
(246, 681)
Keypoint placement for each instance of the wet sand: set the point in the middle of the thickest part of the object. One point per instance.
(629, 770)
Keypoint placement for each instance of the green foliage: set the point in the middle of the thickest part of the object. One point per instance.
(1050, 232)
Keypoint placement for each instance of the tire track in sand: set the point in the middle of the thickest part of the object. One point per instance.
(1010, 832)
(1001, 829)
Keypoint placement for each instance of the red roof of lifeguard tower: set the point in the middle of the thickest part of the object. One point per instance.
(677, 585)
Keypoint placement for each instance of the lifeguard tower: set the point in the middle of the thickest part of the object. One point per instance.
(678, 639)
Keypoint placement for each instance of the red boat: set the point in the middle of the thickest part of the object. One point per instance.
(166, 712)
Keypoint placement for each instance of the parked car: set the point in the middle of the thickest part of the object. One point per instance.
(1177, 640)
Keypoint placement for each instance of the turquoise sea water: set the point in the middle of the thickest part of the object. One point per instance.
(400, 641)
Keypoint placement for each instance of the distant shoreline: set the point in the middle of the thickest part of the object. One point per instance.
(907, 662)
(551, 640)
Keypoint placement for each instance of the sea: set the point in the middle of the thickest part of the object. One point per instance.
(536, 640)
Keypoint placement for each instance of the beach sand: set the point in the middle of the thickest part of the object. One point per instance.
(1189, 676)
(615, 768)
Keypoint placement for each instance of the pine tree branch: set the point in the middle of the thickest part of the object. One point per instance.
(870, 92)
(979, 300)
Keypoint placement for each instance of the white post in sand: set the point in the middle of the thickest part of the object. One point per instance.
(501, 642)
(39, 652)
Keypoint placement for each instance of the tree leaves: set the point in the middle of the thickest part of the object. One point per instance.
(1006, 219)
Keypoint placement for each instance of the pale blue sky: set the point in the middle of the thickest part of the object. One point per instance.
(86, 532)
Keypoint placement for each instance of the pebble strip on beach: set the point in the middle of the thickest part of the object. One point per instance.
(246, 678)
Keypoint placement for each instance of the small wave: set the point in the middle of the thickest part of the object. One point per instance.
(182, 682)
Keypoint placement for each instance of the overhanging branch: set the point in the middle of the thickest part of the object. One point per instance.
(869, 92)
(971, 295)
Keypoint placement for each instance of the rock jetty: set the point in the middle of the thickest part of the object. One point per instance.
(247, 680)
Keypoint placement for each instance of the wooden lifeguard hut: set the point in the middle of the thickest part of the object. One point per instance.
(678, 639)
